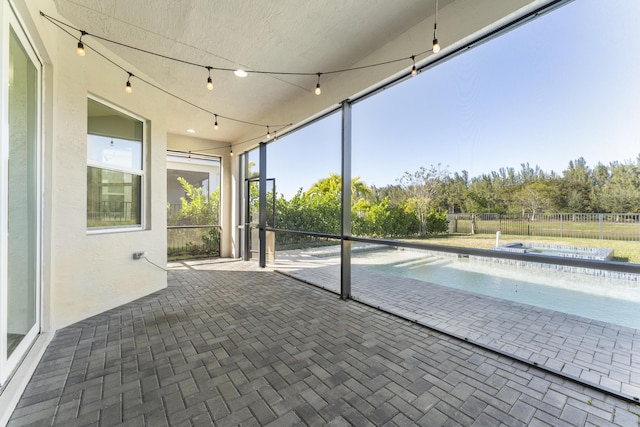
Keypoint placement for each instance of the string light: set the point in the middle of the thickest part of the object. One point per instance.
(81, 51)
(128, 87)
(231, 150)
(414, 71)
(237, 72)
(268, 133)
(215, 125)
(436, 45)
(209, 81)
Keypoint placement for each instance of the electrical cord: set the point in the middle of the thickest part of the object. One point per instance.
(153, 263)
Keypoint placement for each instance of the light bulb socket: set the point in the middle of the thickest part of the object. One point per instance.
(318, 91)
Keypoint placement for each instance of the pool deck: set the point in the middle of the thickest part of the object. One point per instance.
(595, 353)
(228, 343)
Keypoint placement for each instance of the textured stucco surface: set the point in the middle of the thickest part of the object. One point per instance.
(307, 36)
(86, 274)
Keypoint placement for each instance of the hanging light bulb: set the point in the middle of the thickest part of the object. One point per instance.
(414, 71)
(81, 51)
(268, 133)
(128, 87)
(318, 91)
(436, 45)
(240, 73)
(231, 150)
(209, 81)
(215, 125)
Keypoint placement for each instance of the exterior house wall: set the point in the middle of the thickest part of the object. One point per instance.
(88, 273)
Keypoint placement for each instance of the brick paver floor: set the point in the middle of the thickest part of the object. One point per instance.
(229, 344)
(601, 354)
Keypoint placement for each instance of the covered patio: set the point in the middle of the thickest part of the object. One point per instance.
(108, 333)
(229, 343)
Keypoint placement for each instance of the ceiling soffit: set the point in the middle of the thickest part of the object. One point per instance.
(306, 36)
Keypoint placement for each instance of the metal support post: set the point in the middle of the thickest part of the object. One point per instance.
(345, 260)
(262, 223)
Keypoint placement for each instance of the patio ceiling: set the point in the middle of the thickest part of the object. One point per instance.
(306, 36)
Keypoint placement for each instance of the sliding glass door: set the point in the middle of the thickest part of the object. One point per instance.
(20, 214)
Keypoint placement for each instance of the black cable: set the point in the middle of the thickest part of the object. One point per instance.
(55, 22)
(241, 142)
(154, 264)
(208, 67)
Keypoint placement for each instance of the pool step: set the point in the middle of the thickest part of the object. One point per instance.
(424, 261)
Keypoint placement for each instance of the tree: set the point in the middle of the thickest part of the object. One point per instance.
(455, 192)
(436, 222)
(600, 177)
(489, 194)
(332, 185)
(621, 193)
(421, 188)
(578, 171)
(197, 208)
(534, 198)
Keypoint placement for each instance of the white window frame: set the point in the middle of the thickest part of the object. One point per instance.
(142, 173)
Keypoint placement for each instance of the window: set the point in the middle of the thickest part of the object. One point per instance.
(115, 168)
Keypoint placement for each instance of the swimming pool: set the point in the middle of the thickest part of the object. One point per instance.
(607, 299)
(580, 252)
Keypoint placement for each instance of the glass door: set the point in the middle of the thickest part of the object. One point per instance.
(20, 217)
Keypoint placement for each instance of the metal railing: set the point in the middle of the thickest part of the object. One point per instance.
(193, 241)
(602, 226)
(173, 208)
(113, 212)
(605, 265)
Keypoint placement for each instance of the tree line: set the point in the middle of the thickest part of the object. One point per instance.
(612, 188)
(417, 204)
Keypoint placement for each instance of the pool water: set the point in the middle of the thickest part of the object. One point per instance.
(606, 299)
(581, 252)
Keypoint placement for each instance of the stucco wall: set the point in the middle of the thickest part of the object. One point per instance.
(86, 274)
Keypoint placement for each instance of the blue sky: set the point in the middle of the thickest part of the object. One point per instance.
(564, 86)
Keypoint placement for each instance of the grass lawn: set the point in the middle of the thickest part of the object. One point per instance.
(622, 250)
